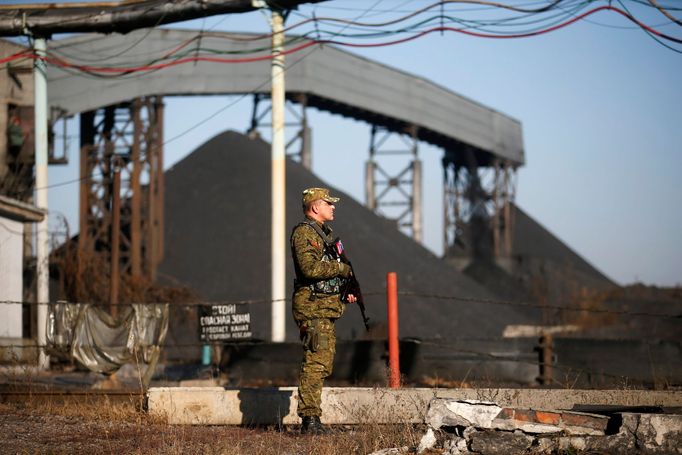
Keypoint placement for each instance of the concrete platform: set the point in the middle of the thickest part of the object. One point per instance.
(348, 405)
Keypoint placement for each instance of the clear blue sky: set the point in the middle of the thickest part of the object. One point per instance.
(601, 107)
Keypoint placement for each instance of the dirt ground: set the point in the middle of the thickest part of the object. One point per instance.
(46, 428)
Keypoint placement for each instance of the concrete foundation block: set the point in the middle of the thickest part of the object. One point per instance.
(354, 405)
(654, 433)
(219, 406)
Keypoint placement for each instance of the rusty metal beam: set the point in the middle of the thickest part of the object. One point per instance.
(115, 279)
(477, 202)
(127, 137)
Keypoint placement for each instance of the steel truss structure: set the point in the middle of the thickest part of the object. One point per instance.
(477, 202)
(375, 93)
(299, 144)
(123, 143)
(395, 194)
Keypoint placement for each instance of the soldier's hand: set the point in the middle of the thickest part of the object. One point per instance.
(352, 298)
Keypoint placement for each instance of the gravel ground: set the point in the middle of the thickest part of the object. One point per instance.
(111, 429)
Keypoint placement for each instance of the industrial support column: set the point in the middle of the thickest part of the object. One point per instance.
(40, 111)
(278, 181)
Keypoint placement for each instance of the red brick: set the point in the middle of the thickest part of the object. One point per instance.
(584, 420)
(550, 418)
(506, 414)
(524, 415)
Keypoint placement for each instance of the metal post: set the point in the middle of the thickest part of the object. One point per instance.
(306, 135)
(393, 346)
(42, 275)
(114, 279)
(510, 192)
(278, 177)
(417, 229)
(87, 137)
(161, 186)
(136, 197)
(546, 358)
(391, 194)
(496, 196)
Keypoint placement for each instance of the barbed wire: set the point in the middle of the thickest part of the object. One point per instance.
(538, 363)
(375, 293)
(513, 357)
(539, 305)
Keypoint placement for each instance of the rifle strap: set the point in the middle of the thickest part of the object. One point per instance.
(325, 237)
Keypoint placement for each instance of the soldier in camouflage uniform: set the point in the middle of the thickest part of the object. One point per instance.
(317, 302)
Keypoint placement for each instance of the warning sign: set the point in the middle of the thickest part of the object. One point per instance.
(225, 322)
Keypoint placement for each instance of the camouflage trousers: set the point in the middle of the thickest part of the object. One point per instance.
(319, 346)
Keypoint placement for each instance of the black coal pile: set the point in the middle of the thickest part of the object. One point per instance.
(534, 247)
(218, 243)
(545, 271)
(541, 267)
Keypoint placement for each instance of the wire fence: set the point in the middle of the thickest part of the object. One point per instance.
(570, 374)
(411, 294)
(497, 355)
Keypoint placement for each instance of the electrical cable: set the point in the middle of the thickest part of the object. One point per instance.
(403, 294)
(118, 72)
(665, 12)
(177, 61)
(652, 34)
(541, 306)
(255, 90)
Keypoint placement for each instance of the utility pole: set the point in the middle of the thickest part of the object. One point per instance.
(42, 276)
(278, 179)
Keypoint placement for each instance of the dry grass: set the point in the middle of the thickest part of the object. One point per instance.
(101, 426)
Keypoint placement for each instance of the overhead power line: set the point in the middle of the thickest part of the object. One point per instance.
(301, 43)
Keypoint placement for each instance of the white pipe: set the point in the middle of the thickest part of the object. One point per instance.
(278, 182)
(40, 129)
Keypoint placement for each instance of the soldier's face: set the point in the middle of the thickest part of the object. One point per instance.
(325, 210)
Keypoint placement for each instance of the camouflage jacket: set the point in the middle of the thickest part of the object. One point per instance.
(318, 276)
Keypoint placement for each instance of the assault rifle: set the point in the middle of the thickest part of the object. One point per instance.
(352, 286)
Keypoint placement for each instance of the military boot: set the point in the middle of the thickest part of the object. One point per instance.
(313, 425)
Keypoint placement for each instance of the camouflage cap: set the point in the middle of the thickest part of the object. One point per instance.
(313, 194)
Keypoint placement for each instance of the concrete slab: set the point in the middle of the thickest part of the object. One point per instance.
(354, 405)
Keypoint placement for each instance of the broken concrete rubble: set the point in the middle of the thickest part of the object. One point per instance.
(499, 442)
(465, 413)
(488, 415)
(654, 433)
(568, 422)
(479, 427)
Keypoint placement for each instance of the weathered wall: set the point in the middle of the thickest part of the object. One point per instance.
(11, 277)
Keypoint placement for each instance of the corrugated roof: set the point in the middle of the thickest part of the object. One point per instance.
(334, 80)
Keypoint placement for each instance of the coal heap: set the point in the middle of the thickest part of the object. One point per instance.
(534, 245)
(541, 267)
(218, 243)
